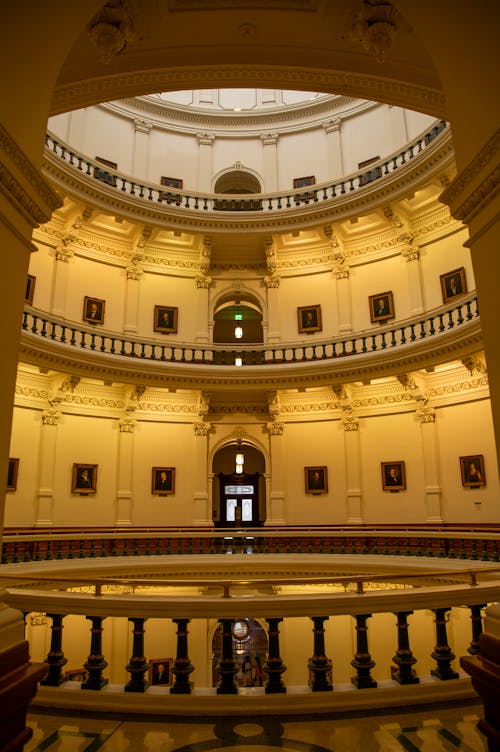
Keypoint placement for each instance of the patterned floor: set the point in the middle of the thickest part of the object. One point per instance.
(440, 729)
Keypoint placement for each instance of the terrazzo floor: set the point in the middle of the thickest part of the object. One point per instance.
(435, 729)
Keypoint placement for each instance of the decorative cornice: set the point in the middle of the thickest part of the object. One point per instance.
(477, 185)
(16, 171)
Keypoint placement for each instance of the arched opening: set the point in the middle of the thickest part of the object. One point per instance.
(238, 320)
(239, 491)
(238, 181)
(249, 642)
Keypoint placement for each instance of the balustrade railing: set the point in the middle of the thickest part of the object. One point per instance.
(175, 198)
(274, 610)
(434, 324)
(90, 544)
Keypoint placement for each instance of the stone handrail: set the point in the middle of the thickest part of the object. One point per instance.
(388, 347)
(177, 199)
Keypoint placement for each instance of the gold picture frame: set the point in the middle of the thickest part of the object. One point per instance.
(93, 310)
(316, 479)
(165, 319)
(309, 319)
(163, 481)
(84, 478)
(381, 306)
(472, 471)
(453, 284)
(393, 475)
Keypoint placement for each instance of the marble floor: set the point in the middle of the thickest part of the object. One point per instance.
(435, 729)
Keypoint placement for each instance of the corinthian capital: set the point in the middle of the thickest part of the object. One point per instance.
(275, 428)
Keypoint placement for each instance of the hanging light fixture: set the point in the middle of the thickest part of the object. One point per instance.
(238, 361)
(238, 317)
(239, 459)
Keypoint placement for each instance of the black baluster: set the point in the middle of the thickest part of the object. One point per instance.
(274, 666)
(442, 653)
(403, 658)
(319, 664)
(182, 665)
(477, 627)
(95, 663)
(227, 665)
(362, 660)
(55, 657)
(138, 665)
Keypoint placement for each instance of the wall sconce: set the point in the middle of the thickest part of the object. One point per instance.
(238, 361)
(238, 331)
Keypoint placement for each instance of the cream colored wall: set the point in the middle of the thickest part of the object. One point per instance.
(460, 429)
(299, 151)
(164, 436)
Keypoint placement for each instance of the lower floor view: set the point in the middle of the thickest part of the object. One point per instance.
(428, 728)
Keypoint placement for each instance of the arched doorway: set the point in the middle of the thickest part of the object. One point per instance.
(238, 320)
(249, 642)
(238, 181)
(239, 491)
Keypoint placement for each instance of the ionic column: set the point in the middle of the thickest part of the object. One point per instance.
(442, 652)
(335, 163)
(276, 506)
(411, 255)
(141, 148)
(270, 161)
(47, 455)
(205, 143)
(427, 418)
(274, 666)
(138, 665)
(125, 464)
(202, 510)
(319, 664)
(95, 663)
(134, 275)
(63, 256)
(353, 469)
(55, 657)
(182, 665)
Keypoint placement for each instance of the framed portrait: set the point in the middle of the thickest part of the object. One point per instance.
(453, 284)
(393, 476)
(302, 183)
(163, 480)
(102, 174)
(84, 478)
(309, 319)
(472, 471)
(316, 479)
(381, 307)
(160, 671)
(169, 196)
(93, 310)
(30, 289)
(12, 471)
(165, 319)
